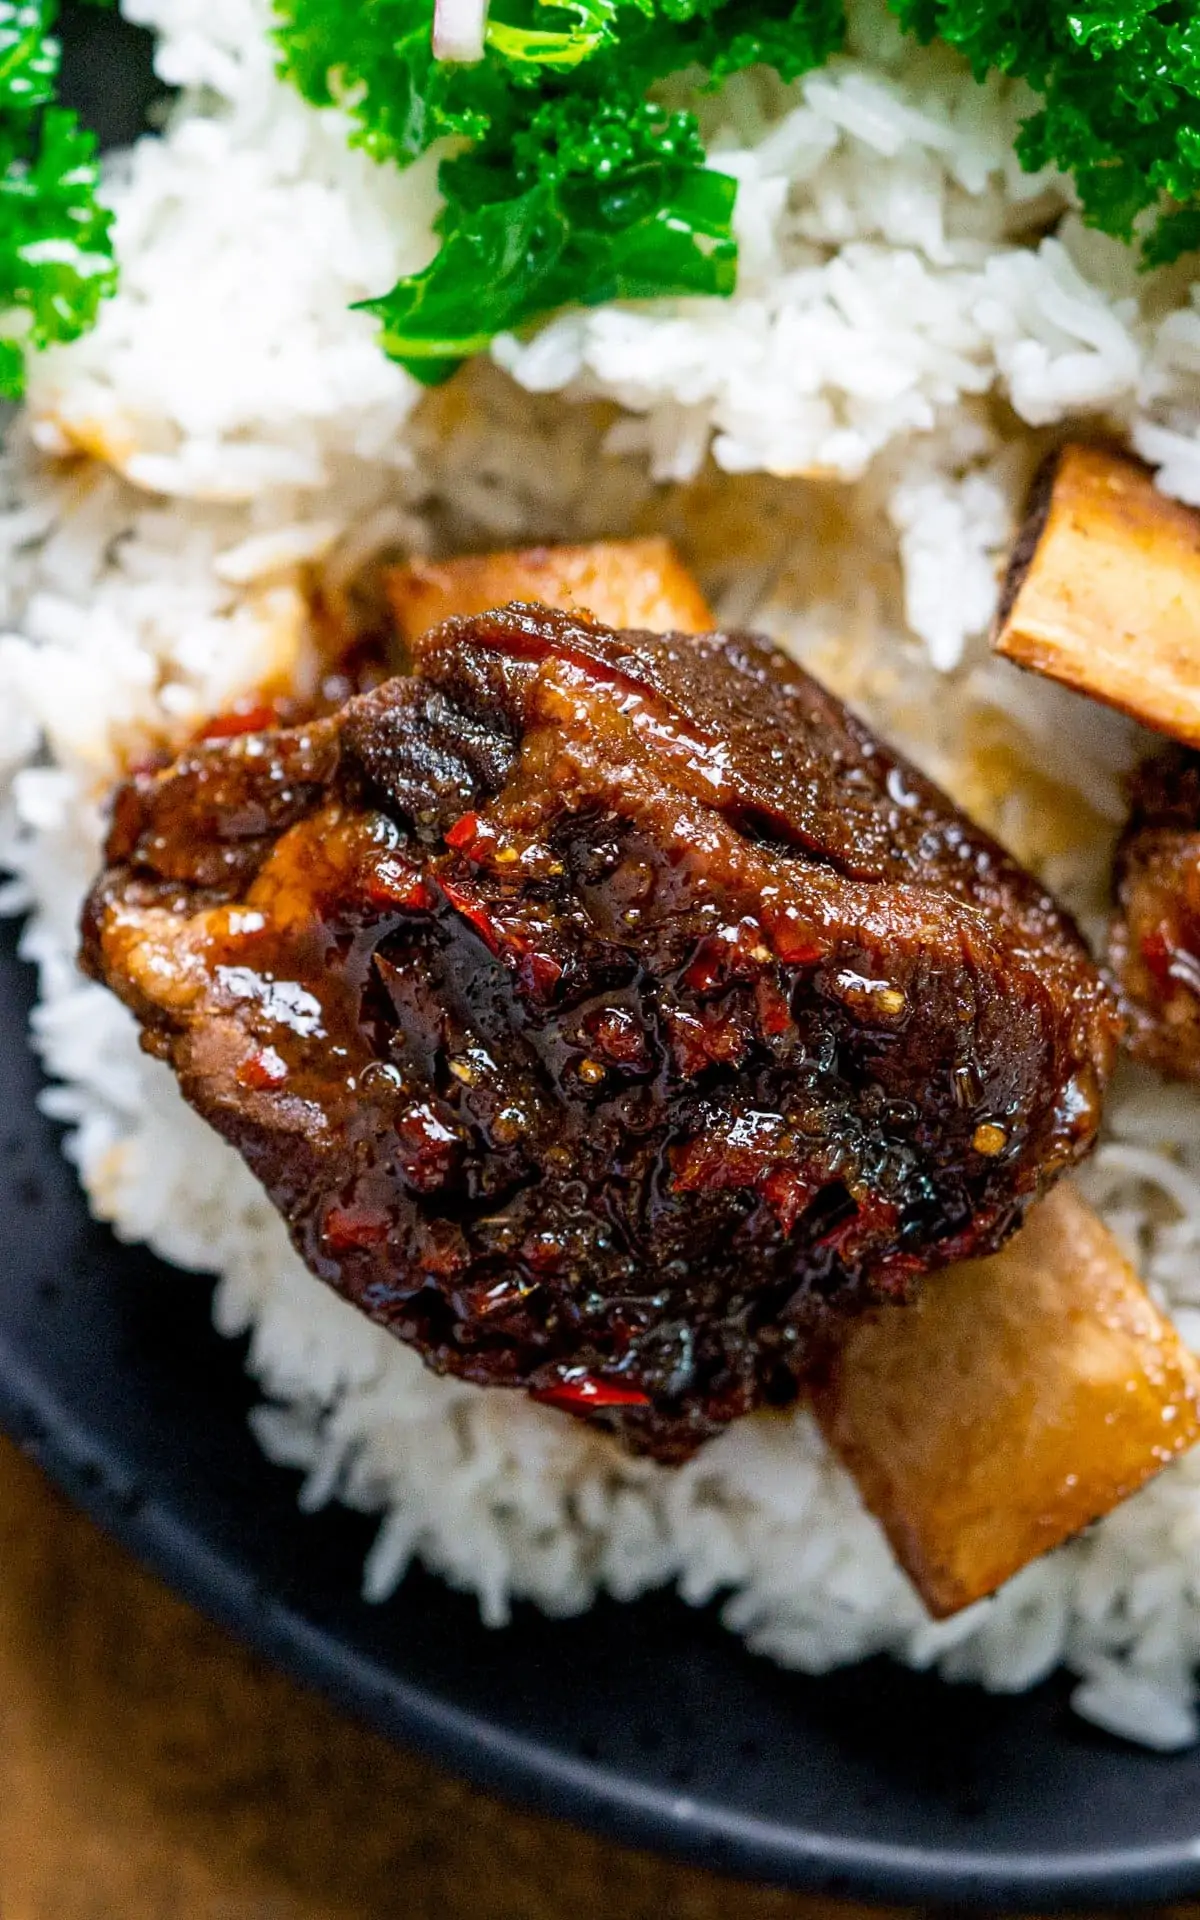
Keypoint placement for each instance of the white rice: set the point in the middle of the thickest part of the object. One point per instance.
(913, 315)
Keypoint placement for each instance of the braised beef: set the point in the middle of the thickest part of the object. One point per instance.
(1154, 941)
(608, 1014)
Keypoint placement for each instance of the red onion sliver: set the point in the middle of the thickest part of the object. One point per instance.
(458, 29)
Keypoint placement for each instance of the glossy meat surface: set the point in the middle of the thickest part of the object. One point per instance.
(1154, 941)
(607, 1013)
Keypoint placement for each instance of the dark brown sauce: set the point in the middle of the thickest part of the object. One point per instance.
(556, 1070)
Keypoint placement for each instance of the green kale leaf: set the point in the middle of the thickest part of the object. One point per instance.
(575, 186)
(1120, 87)
(56, 261)
(614, 202)
(567, 184)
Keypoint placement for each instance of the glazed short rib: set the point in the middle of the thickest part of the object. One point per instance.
(608, 1014)
(1154, 940)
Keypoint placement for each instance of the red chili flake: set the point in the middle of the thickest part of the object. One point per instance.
(463, 832)
(473, 909)
(347, 1227)
(734, 953)
(787, 1193)
(1170, 961)
(893, 1277)
(774, 1014)
(724, 1038)
(712, 1162)
(959, 1246)
(585, 1390)
(539, 974)
(871, 1216)
(543, 1251)
(239, 719)
(1156, 952)
(392, 882)
(440, 1252)
(262, 1071)
(687, 1037)
(504, 941)
(617, 1034)
(714, 1039)
(796, 944)
(429, 1147)
(707, 968)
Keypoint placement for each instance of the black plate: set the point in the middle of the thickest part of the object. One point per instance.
(646, 1721)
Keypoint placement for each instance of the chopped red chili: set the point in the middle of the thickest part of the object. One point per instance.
(585, 1390)
(539, 973)
(262, 1070)
(774, 1014)
(796, 944)
(239, 719)
(354, 1227)
(463, 831)
(474, 911)
(392, 882)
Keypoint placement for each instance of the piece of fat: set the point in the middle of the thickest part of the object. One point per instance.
(1103, 590)
(621, 583)
(1015, 1400)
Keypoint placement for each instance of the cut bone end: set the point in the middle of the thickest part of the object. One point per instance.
(1015, 1400)
(1103, 590)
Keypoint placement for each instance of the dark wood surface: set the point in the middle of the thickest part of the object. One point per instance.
(153, 1769)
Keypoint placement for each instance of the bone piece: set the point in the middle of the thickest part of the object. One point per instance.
(1103, 590)
(1015, 1400)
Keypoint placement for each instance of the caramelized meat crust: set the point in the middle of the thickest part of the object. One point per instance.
(607, 1013)
(1154, 940)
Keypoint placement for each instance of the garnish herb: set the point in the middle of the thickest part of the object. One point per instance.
(56, 260)
(571, 185)
(1120, 85)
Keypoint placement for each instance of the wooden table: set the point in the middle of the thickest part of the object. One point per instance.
(152, 1769)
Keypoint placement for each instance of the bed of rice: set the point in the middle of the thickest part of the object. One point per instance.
(840, 451)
